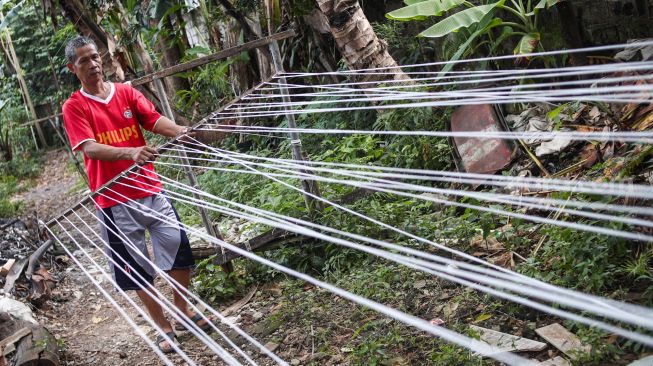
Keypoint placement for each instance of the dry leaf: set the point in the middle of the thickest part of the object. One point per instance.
(97, 320)
(437, 321)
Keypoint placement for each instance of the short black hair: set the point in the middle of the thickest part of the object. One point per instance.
(74, 44)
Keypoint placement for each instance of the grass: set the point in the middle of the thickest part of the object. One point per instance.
(342, 332)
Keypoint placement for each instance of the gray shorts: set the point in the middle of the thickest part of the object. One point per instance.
(170, 244)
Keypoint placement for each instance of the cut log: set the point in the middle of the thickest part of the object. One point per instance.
(39, 349)
(563, 340)
(7, 344)
(4, 270)
(266, 239)
(505, 342)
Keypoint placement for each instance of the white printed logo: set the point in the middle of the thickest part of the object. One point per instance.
(128, 114)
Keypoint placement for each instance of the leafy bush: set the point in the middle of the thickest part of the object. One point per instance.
(213, 284)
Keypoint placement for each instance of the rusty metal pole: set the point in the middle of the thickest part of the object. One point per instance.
(308, 185)
(167, 110)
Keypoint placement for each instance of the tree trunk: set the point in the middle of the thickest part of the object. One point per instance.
(22, 84)
(355, 38)
(238, 70)
(172, 55)
(75, 12)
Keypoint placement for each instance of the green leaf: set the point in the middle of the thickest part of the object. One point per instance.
(547, 3)
(527, 44)
(482, 317)
(10, 15)
(543, 4)
(422, 9)
(460, 20)
(461, 50)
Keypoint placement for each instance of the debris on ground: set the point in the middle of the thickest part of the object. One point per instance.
(481, 155)
(556, 361)
(563, 340)
(507, 342)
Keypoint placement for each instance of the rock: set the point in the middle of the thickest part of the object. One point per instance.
(646, 361)
(272, 346)
(122, 354)
(507, 342)
(419, 284)
(563, 340)
(257, 316)
(557, 361)
(294, 362)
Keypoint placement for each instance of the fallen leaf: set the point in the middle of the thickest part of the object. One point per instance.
(482, 317)
(419, 284)
(97, 320)
(437, 321)
(450, 309)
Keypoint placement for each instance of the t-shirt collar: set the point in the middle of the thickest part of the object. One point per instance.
(112, 89)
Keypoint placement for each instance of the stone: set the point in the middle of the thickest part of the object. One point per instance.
(563, 340)
(507, 342)
(272, 346)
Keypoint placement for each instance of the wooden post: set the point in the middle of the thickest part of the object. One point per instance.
(308, 185)
(23, 86)
(228, 267)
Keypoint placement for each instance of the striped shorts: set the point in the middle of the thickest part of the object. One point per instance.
(124, 231)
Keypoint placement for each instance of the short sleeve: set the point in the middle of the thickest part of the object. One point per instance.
(76, 124)
(146, 114)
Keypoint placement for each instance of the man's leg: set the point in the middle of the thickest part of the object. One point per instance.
(172, 251)
(128, 272)
(182, 276)
(156, 313)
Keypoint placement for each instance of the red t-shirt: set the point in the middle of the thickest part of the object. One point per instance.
(116, 121)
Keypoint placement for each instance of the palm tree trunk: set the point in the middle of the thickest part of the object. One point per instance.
(76, 13)
(355, 38)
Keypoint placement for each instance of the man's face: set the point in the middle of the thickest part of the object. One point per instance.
(88, 65)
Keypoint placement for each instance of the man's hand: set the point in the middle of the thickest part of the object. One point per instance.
(143, 154)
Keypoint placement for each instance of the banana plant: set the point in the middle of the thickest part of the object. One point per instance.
(480, 20)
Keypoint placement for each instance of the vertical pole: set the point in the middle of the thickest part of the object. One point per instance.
(167, 110)
(308, 185)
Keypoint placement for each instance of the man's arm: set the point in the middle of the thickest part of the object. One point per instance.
(166, 127)
(97, 151)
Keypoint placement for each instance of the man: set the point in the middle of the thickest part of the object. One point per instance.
(104, 121)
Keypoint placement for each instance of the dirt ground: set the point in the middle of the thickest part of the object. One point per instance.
(88, 327)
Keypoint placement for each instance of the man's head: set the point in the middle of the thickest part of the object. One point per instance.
(84, 59)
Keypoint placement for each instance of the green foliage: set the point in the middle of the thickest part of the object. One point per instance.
(213, 284)
(22, 167)
(584, 261)
(209, 85)
(479, 21)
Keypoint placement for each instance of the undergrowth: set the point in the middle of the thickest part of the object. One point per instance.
(568, 258)
(12, 176)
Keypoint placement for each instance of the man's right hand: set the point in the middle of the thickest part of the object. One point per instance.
(143, 154)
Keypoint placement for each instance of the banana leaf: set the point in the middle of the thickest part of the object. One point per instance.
(11, 15)
(462, 19)
(527, 44)
(496, 22)
(411, 2)
(543, 4)
(423, 9)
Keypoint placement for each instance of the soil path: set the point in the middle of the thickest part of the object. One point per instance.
(89, 328)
